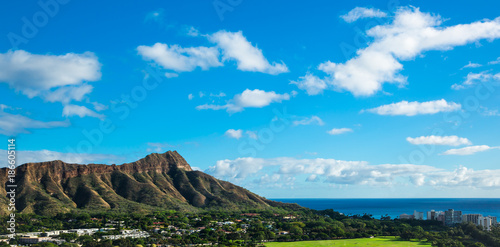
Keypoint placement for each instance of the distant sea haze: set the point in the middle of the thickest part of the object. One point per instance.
(395, 207)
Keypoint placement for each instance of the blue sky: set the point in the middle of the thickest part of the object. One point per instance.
(332, 100)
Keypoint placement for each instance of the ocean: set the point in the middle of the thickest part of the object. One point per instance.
(395, 207)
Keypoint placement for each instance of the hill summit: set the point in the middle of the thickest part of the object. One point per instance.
(155, 182)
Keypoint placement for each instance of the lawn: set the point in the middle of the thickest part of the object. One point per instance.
(378, 241)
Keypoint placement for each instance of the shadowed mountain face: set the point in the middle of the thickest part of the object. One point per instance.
(156, 182)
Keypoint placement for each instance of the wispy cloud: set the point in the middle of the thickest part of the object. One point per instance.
(13, 124)
(361, 13)
(47, 155)
(439, 140)
(469, 150)
(308, 121)
(248, 99)
(81, 111)
(406, 108)
(472, 65)
(339, 131)
(475, 78)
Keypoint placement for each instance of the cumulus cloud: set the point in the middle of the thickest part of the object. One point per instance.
(327, 170)
(308, 121)
(13, 124)
(466, 177)
(232, 133)
(52, 77)
(289, 170)
(236, 169)
(475, 78)
(181, 59)
(311, 83)
(236, 47)
(47, 155)
(416, 108)
(439, 140)
(248, 99)
(335, 131)
(410, 34)
(361, 12)
(81, 111)
(469, 150)
(228, 46)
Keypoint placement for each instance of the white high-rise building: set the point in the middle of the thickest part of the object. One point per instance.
(418, 215)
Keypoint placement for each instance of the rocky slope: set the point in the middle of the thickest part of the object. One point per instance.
(156, 182)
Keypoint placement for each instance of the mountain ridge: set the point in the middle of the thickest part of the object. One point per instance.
(155, 182)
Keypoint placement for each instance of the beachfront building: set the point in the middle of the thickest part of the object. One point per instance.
(405, 216)
(418, 215)
(431, 215)
(474, 218)
(452, 217)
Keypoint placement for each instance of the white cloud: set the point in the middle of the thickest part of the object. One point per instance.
(469, 150)
(171, 75)
(192, 31)
(229, 46)
(439, 140)
(236, 134)
(81, 111)
(472, 65)
(361, 12)
(252, 134)
(68, 93)
(35, 75)
(13, 124)
(308, 121)
(416, 108)
(328, 170)
(155, 15)
(475, 78)
(236, 47)
(158, 147)
(488, 112)
(219, 95)
(335, 131)
(190, 96)
(283, 170)
(248, 99)
(495, 62)
(236, 169)
(181, 59)
(409, 35)
(47, 155)
(98, 106)
(311, 83)
(463, 176)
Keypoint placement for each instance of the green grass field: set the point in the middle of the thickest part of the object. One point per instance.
(379, 241)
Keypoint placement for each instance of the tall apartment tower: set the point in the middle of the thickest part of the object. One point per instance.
(452, 217)
(474, 218)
